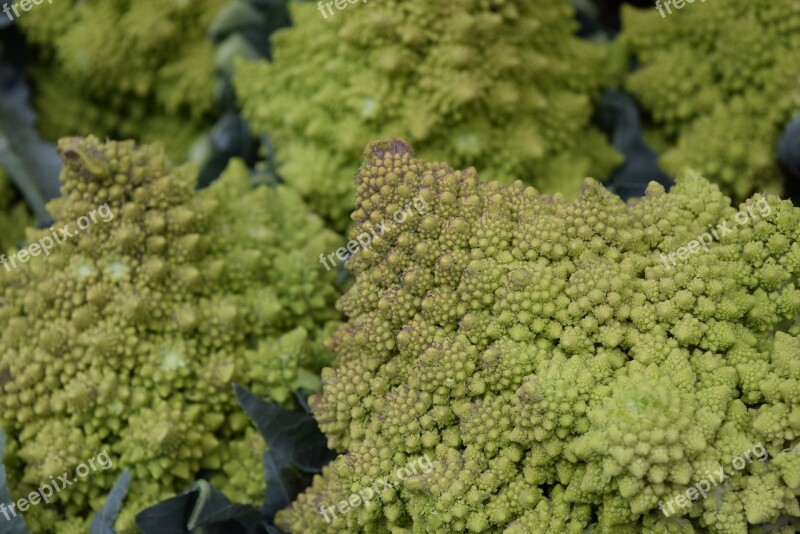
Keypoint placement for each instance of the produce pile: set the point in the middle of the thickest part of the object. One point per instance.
(233, 297)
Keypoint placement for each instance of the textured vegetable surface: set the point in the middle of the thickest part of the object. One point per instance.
(558, 374)
(129, 334)
(720, 82)
(502, 85)
(141, 69)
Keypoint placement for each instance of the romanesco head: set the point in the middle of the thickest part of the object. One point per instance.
(560, 366)
(502, 85)
(719, 80)
(110, 67)
(128, 334)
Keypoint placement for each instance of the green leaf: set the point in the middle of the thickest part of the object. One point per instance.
(233, 47)
(235, 16)
(32, 163)
(202, 509)
(229, 138)
(103, 522)
(296, 449)
(10, 524)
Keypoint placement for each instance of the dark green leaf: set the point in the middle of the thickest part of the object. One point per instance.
(295, 434)
(235, 16)
(103, 522)
(32, 163)
(213, 508)
(283, 483)
(618, 115)
(296, 449)
(789, 158)
(229, 138)
(202, 509)
(167, 517)
(233, 47)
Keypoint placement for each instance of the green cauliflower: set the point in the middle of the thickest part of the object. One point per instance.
(128, 335)
(718, 81)
(500, 85)
(141, 69)
(560, 366)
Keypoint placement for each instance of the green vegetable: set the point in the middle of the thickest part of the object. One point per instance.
(558, 373)
(501, 85)
(129, 335)
(719, 81)
(141, 69)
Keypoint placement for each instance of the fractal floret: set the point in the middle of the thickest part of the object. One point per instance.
(719, 81)
(151, 300)
(501, 85)
(563, 364)
(141, 69)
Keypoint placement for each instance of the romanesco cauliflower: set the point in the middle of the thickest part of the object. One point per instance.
(556, 370)
(141, 69)
(502, 85)
(719, 81)
(129, 334)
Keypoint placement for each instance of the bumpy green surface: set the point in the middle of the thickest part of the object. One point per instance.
(110, 66)
(129, 335)
(14, 216)
(499, 84)
(554, 370)
(719, 80)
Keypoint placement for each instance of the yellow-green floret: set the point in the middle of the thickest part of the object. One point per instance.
(557, 370)
(142, 69)
(719, 81)
(503, 85)
(128, 335)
